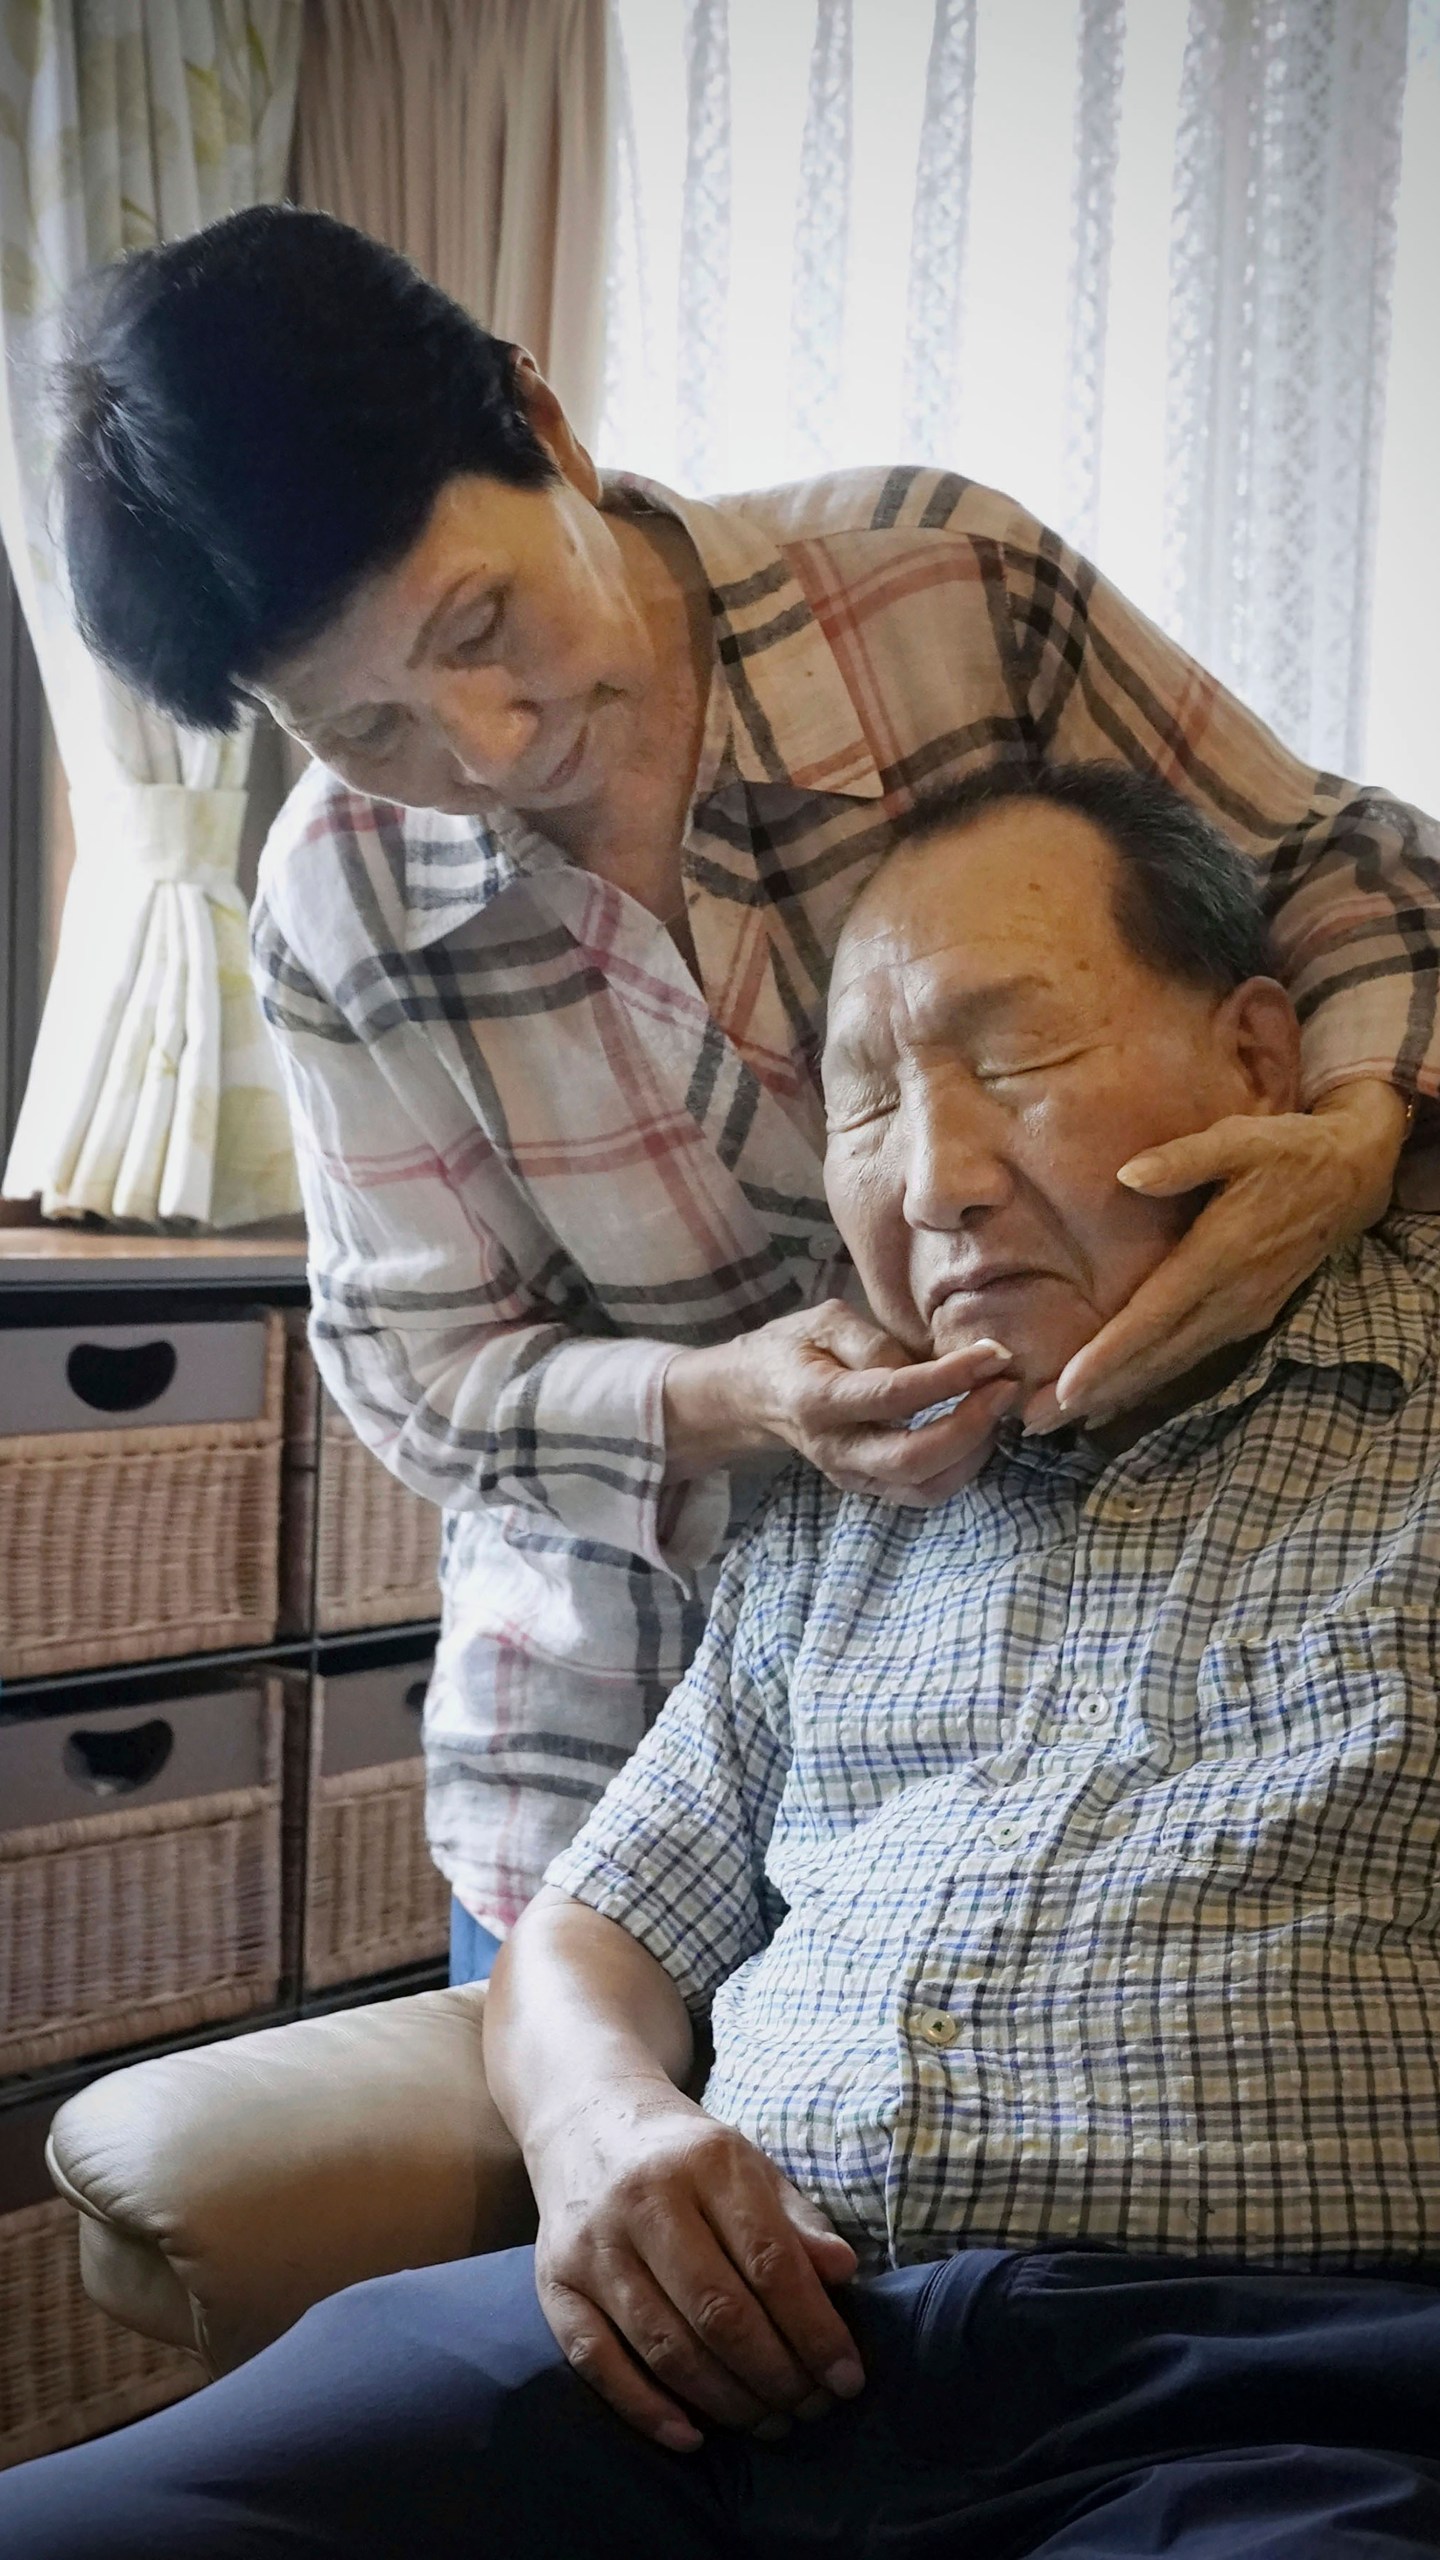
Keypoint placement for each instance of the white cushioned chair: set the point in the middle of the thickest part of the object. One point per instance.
(224, 2190)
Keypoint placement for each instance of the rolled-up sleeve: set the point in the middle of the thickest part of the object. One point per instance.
(444, 1321)
(1350, 876)
(675, 1850)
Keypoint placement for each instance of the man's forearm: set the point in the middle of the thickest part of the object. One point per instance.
(680, 2272)
(576, 2007)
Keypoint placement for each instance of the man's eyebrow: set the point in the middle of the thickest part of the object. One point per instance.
(981, 1004)
(437, 612)
(960, 1012)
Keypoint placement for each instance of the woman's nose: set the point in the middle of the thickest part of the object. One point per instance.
(487, 728)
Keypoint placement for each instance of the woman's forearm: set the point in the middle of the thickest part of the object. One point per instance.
(1377, 1111)
(712, 1411)
(1370, 1119)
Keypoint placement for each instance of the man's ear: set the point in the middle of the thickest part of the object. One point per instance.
(1258, 1020)
(553, 428)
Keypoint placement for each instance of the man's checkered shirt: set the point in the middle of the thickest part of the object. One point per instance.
(1063, 1863)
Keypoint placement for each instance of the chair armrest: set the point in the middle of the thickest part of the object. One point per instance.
(226, 2189)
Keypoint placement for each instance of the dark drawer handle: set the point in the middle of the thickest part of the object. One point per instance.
(115, 1764)
(116, 1378)
(415, 1695)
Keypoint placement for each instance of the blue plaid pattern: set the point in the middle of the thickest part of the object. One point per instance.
(1062, 1864)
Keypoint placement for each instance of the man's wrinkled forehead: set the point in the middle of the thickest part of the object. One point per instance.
(904, 999)
(1014, 903)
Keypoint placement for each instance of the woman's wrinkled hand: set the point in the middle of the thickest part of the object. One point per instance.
(1288, 1190)
(829, 1383)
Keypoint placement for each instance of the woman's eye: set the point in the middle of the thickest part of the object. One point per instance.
(474, 643)
(376, 733)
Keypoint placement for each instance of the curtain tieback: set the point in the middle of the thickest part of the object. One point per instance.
(157, 831)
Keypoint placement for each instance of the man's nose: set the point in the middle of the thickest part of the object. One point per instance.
(487, 726)
(952, 1164)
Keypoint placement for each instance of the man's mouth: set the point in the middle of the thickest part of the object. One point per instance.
(972, 1285)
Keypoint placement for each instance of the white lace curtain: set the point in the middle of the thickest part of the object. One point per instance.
(153, 1095)
(1137, 266)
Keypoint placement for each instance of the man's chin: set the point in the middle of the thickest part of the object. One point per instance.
(1038, 1351)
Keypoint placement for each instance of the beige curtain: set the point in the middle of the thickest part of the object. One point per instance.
(474, 136)
(153, 1095)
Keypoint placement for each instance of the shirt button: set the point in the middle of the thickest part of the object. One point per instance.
(821, 1248)
(1005, 1834)
(936, 2028)
(1095, 1710)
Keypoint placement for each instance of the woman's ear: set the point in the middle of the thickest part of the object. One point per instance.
(1264, 1035)
(553, 428)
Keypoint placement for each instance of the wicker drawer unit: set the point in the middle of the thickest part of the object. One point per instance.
(375, 1544)
(67, 2371)
(373, 1897)
(139, 1491)
(139, 1871)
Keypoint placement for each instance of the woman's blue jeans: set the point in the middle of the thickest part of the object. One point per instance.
(472, 1949)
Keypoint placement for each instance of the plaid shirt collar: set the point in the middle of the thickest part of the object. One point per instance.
(778, 714)
(1362, 1310)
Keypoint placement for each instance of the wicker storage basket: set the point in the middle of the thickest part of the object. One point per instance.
(376, 1544)
(373, 1897)
(68, 2371)
(151, 1920)
(131, 1541)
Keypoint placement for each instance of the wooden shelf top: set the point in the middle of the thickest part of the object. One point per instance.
(33, 1253)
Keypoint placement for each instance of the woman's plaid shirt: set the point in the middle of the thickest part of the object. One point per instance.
(536, 1156)
(1065, 1863)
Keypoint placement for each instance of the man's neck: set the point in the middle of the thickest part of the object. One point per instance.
(1206, 1379)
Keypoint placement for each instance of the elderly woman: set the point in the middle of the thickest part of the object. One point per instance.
(543, 939)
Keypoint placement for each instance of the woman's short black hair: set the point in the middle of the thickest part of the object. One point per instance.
(1186, 902)
(255, 419)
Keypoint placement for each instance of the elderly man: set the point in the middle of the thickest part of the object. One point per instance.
(1057, 1866)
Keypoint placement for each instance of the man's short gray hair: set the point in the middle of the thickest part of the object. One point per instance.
(1187, 903)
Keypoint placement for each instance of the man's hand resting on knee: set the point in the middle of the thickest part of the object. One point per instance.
(679, 2270)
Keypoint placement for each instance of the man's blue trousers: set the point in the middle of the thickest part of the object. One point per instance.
(1074, 2403)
